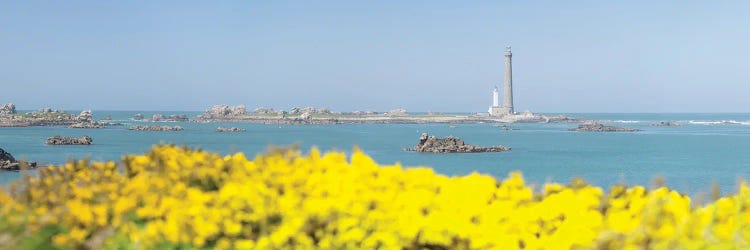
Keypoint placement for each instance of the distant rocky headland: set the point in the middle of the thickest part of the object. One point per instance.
(450, 144)
(598, 127)
(311, 115)
(9, 117)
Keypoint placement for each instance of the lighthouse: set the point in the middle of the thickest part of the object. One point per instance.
(507, 108)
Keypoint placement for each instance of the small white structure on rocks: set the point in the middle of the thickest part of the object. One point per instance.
(507, 108)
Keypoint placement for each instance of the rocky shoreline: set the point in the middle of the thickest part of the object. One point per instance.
(450, 144)
(9, 163)
(321, 116)
(60, 140)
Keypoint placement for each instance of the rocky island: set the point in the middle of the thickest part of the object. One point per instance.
(86, 120)
(231, 129)
(156, 128)
(9, 117)
(60, 140)
(311, 115)
(9, 163)
(450, 144)
(598, 127)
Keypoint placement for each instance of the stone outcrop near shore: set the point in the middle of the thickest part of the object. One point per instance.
(450, 144)
(9, 163)
(230, 129)
(60, 140)
(598, 127)
(156, 128)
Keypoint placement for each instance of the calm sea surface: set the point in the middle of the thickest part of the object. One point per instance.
(708, 148)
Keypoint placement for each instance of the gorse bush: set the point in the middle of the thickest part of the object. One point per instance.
(180, 198)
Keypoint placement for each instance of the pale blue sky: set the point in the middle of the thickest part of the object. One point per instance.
(592, 56)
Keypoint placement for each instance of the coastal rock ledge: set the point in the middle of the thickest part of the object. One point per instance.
(9, 163)
(60, 140)
(598, 127)
(450, 144)
(156, 128)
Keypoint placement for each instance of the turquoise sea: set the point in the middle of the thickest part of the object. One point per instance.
(707, 149)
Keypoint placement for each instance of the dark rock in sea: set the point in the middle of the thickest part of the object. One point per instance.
(231, 129)
(156, 128)
(666, 124)
(8, 108)
(450, 144)
(9, 163)
(138, 117)
(597, 127)
(60, 140)
(6, 156)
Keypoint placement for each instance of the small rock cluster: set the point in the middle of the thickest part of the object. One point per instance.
(60, 140)
(230, 129)
(666, 124)
(170, 118)
(156, 128)
(450, 144)
(598, 127)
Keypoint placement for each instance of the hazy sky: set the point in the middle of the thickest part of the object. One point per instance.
(594, 56)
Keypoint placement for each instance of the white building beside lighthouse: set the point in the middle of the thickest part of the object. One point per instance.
(507, 108)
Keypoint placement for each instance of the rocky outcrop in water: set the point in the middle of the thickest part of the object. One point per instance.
(9, 163)
(666, 124)
(598, 127)
(156, 128)
(60, 140)
(87, 125)
(7, 108)
(86, 120)
(138, 117)
(450, 144)
(170, 118)
(224, 112)
(231, 129)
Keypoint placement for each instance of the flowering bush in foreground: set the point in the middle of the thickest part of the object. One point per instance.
(179, 198)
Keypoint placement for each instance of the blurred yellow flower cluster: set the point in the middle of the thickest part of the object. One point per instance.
(175, 197)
